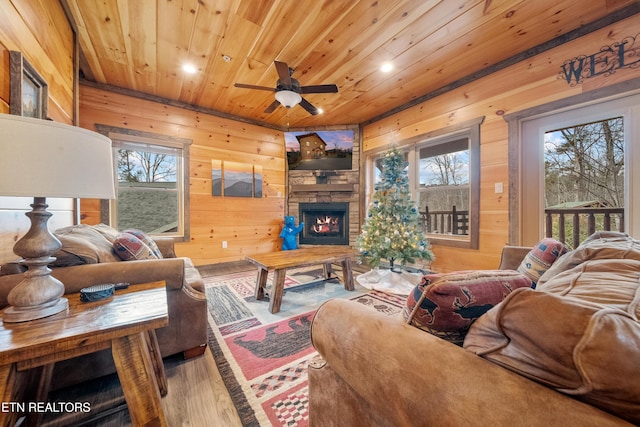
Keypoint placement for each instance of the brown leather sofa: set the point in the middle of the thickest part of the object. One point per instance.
(376, 370)
(186, 300)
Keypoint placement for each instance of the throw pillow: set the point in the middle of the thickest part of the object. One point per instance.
(447, 304)
(540, 258)
(146, 239)
(128, 247)
(82, 244)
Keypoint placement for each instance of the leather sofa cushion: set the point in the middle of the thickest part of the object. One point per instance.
(600, 245)
(82, 244)
(580, 336)
(192, 275)
(107, 231)
(453, 301)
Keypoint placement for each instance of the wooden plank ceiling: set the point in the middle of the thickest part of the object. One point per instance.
(141, 45)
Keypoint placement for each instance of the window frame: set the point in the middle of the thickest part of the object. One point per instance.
(122, 137)
(621, 99)
(470, 129)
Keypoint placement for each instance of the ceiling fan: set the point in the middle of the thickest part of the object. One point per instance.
(288, 90)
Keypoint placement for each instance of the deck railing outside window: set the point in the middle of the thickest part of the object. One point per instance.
(453, 222)
(572, 225)
(568, 225)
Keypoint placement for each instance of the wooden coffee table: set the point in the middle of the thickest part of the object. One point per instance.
(125, 323)
(282, 260)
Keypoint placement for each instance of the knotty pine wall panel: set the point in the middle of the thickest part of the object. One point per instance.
(530, 83)
(41, 32)
(248, 225)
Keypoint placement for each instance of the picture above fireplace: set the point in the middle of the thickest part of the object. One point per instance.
(324, 223)
(322, 150)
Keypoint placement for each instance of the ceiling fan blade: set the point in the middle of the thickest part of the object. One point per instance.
(319, 89)
(272, 106)
(283, 72)
(310, 108)
(242, 85)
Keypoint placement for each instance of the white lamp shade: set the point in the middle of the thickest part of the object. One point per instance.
(41, 158)
(288, 98)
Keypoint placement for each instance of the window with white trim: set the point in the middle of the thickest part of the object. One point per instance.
(527, 156)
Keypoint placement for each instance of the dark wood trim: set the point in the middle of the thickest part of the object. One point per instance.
(179, 104)
(517, 58)
(76, 61)
(19, 68)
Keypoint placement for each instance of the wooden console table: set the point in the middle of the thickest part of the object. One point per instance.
(125, 323)
(282, 260)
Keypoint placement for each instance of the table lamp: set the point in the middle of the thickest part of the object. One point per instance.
(40, 159)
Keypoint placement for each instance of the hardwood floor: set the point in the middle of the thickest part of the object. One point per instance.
(197, 397)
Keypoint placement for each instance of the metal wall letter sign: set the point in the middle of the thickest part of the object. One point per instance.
(624, 54)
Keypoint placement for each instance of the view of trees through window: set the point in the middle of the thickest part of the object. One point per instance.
(584, 170)
(147, 190)
(143, 166)
(444, 187)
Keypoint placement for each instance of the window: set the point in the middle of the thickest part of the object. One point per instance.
(584, 180)
(528, 130)
(443, 186)
(448, 187)
(152, 182)
(444, 169)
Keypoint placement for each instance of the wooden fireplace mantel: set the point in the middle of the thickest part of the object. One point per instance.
(348, 188)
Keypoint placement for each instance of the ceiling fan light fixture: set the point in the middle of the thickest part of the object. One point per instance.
(288, 98)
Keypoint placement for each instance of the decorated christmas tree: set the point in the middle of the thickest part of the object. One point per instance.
(392, 229)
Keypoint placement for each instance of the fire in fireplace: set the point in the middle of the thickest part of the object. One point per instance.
(325, 223)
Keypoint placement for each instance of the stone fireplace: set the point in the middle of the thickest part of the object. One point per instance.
(328, 200)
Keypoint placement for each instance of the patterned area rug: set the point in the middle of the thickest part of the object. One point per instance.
(263, 357)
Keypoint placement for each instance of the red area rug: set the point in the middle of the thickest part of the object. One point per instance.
(263, 357)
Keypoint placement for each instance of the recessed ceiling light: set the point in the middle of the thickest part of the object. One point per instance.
(320, 111)
(386, 67)
(189, 68)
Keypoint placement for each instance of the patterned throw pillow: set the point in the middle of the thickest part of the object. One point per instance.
(146, 239)
(128, 247)
(540, 258)
(449, 303)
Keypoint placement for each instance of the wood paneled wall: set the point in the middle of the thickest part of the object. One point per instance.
(248, 225)
(40, 31)
(531, 83)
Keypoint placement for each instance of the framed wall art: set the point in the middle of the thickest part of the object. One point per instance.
(237, 179)
(216, 177)
(28, 92)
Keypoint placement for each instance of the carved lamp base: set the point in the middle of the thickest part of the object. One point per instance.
(39, 294)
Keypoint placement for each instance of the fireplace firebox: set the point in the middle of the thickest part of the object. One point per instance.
(324, 223)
